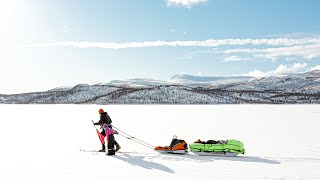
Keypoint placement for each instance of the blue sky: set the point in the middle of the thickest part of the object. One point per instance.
(45, 44)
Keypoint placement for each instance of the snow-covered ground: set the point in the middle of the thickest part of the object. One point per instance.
(43, 142)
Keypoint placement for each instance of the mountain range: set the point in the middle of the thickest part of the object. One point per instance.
(184, 89)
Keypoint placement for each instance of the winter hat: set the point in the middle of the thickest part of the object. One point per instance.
(101, 111)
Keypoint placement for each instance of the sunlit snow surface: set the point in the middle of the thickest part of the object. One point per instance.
(43, 142)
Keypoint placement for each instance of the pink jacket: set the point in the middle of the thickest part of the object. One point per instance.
(108, 131)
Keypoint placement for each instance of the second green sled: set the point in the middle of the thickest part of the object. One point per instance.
(230, 147)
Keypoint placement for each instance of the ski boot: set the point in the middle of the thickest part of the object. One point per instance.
(117, 147)
(111, 152)
(103, 148)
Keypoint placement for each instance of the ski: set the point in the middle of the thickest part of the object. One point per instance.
(121, 152)
(84, 150)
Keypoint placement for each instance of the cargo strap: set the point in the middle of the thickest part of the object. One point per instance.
(126, 135)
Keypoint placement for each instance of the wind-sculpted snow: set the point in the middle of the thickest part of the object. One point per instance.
(295, 88)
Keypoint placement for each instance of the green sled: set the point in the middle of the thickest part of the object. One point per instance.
(230, 147)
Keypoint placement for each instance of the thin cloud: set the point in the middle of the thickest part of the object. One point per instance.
(229, 49)
(205, 43)
(184, 3)
(185, 57)
(173, 30)
(235, 58)
(305, 51)
(66, 29)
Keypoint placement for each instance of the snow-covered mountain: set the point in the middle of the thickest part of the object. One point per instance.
(137, 82)
(61, 88)
(186, 78)
(184, 89)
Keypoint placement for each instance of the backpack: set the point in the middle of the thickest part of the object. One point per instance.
(105, 118)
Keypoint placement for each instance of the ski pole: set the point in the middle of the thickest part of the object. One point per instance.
(94, 125)
(100, 136)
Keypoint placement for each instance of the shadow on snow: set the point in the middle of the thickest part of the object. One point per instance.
(140, 161)
(196, 158)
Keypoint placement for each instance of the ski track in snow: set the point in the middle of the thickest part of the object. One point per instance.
(55, 142)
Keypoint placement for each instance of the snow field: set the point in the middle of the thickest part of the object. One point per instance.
(43, 141)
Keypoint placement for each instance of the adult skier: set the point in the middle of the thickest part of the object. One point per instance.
(105, 119)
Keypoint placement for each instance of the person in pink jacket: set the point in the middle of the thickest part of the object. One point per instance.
(110, 139)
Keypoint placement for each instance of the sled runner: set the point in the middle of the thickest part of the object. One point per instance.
(177, 146)
(230, 147)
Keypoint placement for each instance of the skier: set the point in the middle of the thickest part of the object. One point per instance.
(105, 119)
(109, 138)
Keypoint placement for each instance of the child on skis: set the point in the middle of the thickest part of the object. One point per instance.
(109, 138)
